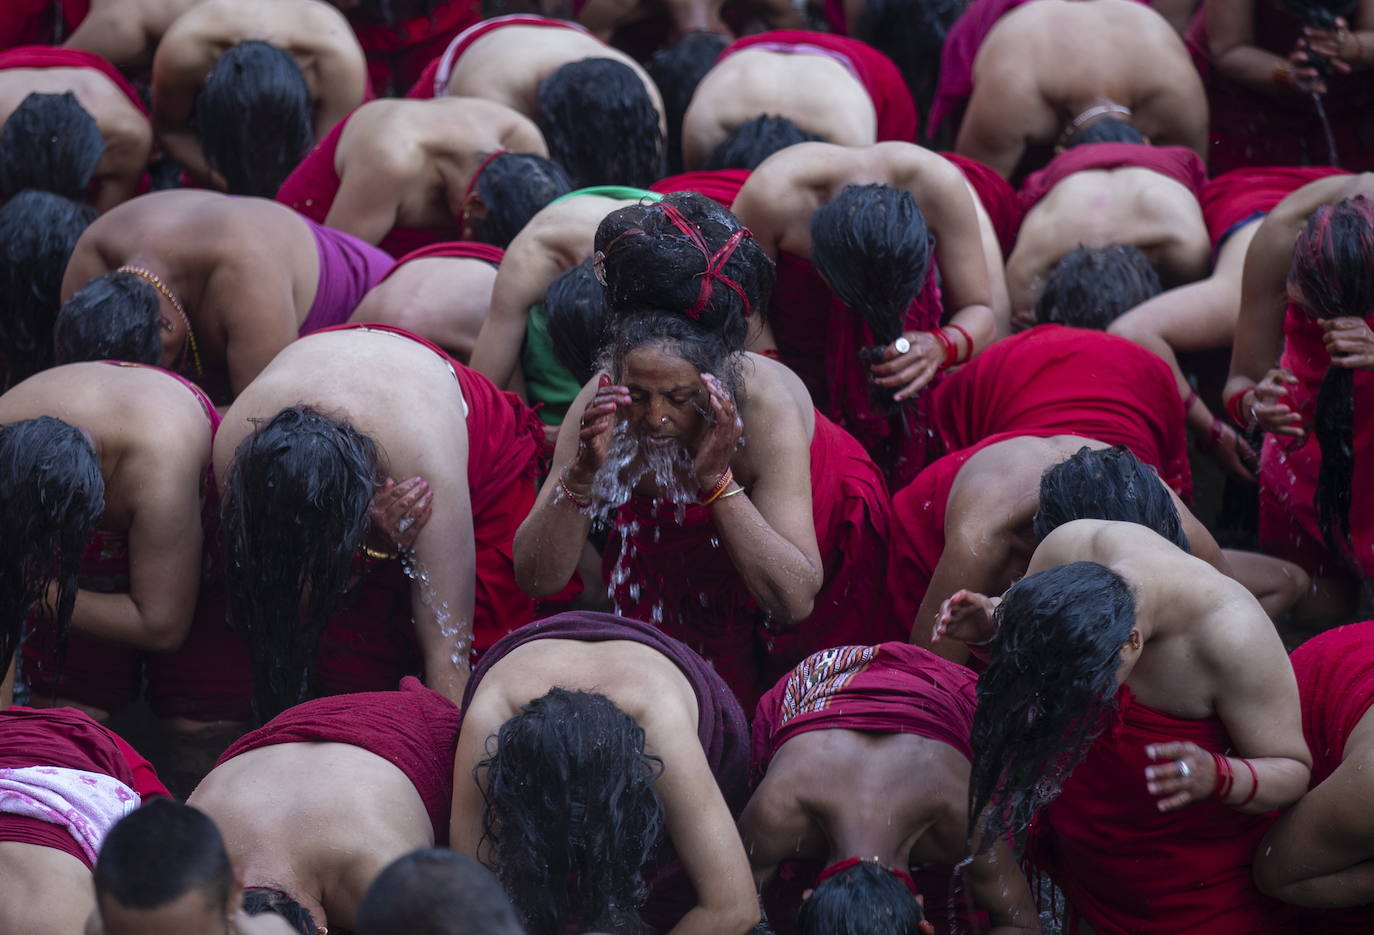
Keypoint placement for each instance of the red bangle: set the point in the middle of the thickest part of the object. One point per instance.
(1254, 777)
(951, 352)
(1222, 786)
(1233, 404)
(579, 502)
(722, 482)
(967, 337)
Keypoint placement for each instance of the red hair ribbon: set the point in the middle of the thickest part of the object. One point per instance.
(715, 262)
(472, 184)
(844, 865)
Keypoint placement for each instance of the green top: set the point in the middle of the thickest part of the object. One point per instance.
(623, 192)
(546, 380)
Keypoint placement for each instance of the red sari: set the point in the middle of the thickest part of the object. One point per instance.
(433, 81)
(1289, 527)
(1336, 683)
(1234, 199)
(398, 53)
(1178, 163)
(70, 739)
(1127, 868)
(721, 185)
(1054, 380)
(679, 576)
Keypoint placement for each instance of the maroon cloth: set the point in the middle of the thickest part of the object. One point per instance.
(47, 56)
(415, 729)
(890, 688)
(370, 643)
(452, 250)
(398, 53)
(996, 195)
(207, 679)
(918, 526)
(349, 268)
(1336, 682)
(676, 573)
(1175, 162)
(721, 186)
(961, 47)
(26, 22)
(880, 77)
(1235, 198)
(1129, 869)
(70, 739)
(1251, 127)
(424, 85)
(313, 185)
(1054, 380)
(820, 338)
(1288, 525)
(721, 725)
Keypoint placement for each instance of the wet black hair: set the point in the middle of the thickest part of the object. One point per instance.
(1091, 287)
(262, 900)
(159, 853)
(601, 124)
(515, 187)
(755, 140)
(295, 513)
(649, 264)
(38, 232)
(114, 317)
(254, 118)
(865, 899)
(912, 34)
(51, 495)
(571, 813)
(1047, 692)
(1333, 273)
(436, 892)
(50, 143)
(1105, 130)
(677, 69)
(871, 244)
(578, 320)
(1111, 484)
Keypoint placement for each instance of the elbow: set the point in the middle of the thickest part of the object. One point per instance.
(164, 636)
(1270, 863)
(792, 607)
(739, 918)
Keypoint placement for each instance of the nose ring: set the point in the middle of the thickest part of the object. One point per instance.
(663, 420)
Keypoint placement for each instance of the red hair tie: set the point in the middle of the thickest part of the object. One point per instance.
(472, 184)
(844, 865)
(715, 262)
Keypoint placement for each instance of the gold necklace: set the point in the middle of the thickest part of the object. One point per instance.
(161, 287)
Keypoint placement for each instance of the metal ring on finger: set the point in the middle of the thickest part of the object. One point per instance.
(901, 345)
(1183, 770)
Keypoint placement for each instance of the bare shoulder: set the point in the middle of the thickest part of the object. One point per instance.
(1294, 209)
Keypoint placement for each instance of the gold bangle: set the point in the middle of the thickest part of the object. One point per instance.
(377, 556)
(722, 482)
(727, 496)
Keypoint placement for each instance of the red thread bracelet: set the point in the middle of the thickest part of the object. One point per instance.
(1222, 786)
(967, 337)
(951, 352)
(722, 482)
(1233, 404)
(1254, 776)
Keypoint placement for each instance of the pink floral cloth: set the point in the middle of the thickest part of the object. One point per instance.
(86, 804)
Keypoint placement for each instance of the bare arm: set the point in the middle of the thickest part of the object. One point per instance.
(1263, 300)
(995, 126)
(110, 31)
(703, 834)
(772, 826)
(1320, 853)
(976, 557)
(258, 315)
(371, 185)
(180, 67)
(480, 724)
(999, 888)
(1231, 40)
(523, 278)
(85, 264)
(343, 80)
(164, 557)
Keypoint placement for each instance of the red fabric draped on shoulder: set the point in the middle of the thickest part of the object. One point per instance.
(680, 577)
(1129, 869)
(451, 250)
(1336, 682)
(997, 197)
(1054, 380)
(397, 54)
(28, 22)
(820, 337)
(1242, 195)
(50, 56)
(891, 688)
(897, 119)
(918, 527)
(1288, 525)
(371, 642)
(1174, 162)
(70, 739)
(414, 729)
(721, 186)
(438, 71)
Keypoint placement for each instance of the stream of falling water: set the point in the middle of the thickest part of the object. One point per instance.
(449, 626)
(1331, 153)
